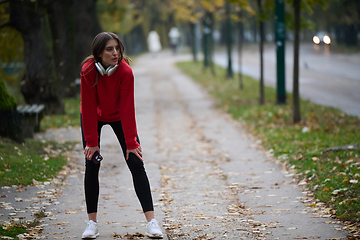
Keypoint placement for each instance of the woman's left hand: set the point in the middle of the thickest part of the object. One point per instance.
(137, 151)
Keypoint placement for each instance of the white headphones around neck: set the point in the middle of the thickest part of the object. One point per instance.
(110, 70)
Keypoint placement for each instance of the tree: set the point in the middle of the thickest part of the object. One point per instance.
(343, 17)
(194, 11)
(41, 83)
(240, 21)
(208, 24)
(265, 10)
(193, 40)
(57, 37)
(189, 13)
(298, 5)
(118, 16)
(229, 73)
(134, 19)
(242, 7)
(86, 26)
(261, 30)
(122, 17)
(63, 45)
(296, 97)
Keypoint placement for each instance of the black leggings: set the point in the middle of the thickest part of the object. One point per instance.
(136, 166)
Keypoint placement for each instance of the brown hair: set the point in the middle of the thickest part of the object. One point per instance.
(98, 46)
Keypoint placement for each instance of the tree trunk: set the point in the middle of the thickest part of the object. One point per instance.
(229, 73)
(212, 44)
(193, 41)
(296, 97)
(140, 35)
(206, 40)
(255, 28)
(261, 56)
(339, 34)
(241, 39)
(351, 35)
(86, 28)
(63, 36)
(40, 83)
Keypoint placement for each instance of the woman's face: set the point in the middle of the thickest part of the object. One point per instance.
(110, 55)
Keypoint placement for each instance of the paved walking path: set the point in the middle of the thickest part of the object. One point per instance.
(210, 179)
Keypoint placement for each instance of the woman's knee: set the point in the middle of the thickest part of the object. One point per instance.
(135, 164)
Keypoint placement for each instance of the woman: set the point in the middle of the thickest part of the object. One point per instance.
(107, 97)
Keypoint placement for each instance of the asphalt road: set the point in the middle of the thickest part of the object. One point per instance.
(326, 78)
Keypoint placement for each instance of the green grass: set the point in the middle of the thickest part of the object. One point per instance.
(39, 160)
(334, 176)
(71, 118)
(12, 230)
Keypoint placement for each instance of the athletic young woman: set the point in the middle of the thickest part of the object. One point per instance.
(107, 97)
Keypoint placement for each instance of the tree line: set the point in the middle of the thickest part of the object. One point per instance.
(57, 34)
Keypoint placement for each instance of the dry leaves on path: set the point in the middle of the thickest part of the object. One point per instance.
(137, 235)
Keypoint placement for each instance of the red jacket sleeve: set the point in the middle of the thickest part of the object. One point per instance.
(127, 109)
(89, 105)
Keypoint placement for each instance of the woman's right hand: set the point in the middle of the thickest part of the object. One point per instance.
(89, 151)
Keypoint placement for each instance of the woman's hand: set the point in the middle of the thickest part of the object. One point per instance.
(137, 151)
(89, 151)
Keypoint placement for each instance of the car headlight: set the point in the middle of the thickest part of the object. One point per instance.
(316, 40)
(326, 39)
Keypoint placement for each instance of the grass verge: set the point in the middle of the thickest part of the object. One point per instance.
(39, 160)
(70, 119)
(332, 175)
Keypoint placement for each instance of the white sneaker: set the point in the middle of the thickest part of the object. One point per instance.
(91, 230)
(153, 229)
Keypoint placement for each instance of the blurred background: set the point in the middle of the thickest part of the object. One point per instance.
(43, 42)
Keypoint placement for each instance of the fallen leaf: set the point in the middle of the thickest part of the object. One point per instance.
(70, 211)
(36, 182)
(311, 237)
(62, 223)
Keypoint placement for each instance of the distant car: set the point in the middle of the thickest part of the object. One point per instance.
(322, 38)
